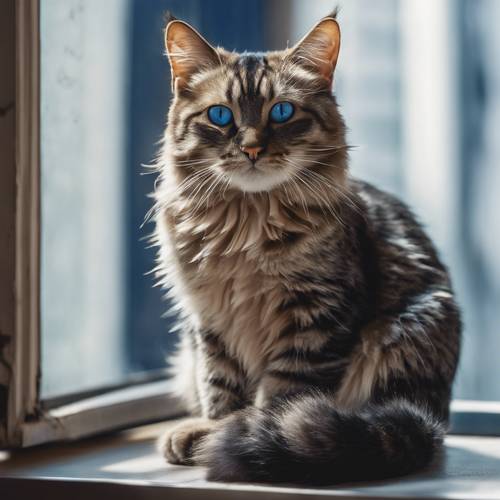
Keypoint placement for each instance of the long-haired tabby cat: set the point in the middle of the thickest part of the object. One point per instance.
(319, 333)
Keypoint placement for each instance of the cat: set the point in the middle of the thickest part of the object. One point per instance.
(319, 334)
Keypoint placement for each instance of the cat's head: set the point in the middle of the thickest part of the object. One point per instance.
(256, 121)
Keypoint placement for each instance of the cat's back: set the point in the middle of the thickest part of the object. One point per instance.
(389, 219)
(406, 260)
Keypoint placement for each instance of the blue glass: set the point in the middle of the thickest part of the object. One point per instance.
(220, 115)
(281, 112)
(146, 345)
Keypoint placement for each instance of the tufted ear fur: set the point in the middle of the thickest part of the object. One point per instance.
(318, 51)
(188, 52)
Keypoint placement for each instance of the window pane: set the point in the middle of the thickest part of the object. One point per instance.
(84, 70)
(480, 203)
(105, 93)
(372, 84)
(105, 89)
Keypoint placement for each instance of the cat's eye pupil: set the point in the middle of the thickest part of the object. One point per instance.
(220, 115)
(281, 112)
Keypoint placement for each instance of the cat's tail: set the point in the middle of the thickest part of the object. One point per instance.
(308, 441)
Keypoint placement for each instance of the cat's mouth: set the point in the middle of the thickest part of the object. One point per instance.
(256, 178)
(255, 168)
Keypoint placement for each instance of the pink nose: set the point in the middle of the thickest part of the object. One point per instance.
(252, 152)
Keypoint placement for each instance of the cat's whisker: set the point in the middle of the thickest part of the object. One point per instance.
(341, 147)
(301, 196)
(213, 187)
(191, 190)
(194, 161)
(323, 197)
(321, 178)
(298, 193)
(310, 160)
(193, 178)
(287, 195)
(206, 195)
(311, 190)
(318, 190)
(325, 181)
(228, 183)
(199, 188)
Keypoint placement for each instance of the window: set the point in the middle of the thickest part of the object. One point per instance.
(83, 338)
(421, 100)
(104, 95)
(83, 210)
(419, 91)
(97, 106)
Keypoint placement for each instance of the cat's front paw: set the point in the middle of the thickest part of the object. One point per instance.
(179, 443)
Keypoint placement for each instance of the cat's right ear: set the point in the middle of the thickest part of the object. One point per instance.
(318, 51)
(187, 52)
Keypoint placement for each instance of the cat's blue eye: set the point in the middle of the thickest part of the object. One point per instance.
(220, 115)
(281, 112)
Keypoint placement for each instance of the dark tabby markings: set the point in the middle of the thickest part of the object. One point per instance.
(322, 368)
(249, 64)
(318, 118)
(209, 135)
(352, 360)
(431, 392)
(224, 379)
(310, 357)
(287, 238)
(305, 379)
(185, 126)
(271, 445)
(251, 110)
(289, 132)
(323, 322)
(227, 386)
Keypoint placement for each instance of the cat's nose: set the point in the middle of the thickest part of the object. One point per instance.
(252, 151)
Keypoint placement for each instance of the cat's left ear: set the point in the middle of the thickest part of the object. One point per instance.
(187, 51)
(318, 51)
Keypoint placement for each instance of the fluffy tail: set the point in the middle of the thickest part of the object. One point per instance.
(308, 441)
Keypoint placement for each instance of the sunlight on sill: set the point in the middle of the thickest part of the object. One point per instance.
(484, 446)
(145, 464)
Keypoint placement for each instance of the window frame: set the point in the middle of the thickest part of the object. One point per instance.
(27, 265)
(22, 312)
(28, 421)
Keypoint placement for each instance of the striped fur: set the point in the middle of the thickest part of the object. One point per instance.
(319, 333)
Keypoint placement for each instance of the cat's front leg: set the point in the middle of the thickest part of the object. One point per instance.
(220, 385)
(221, 381)
(305, 359)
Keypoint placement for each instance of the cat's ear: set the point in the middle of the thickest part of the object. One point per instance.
(187, 51)
(319, 49)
